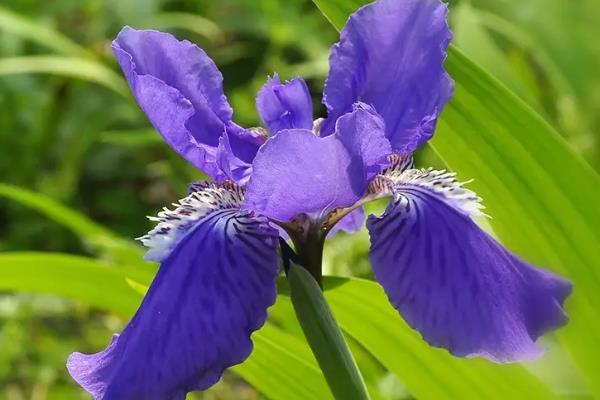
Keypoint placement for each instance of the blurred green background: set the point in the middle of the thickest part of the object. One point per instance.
(70, 130)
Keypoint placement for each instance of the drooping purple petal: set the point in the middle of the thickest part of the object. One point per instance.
(453, 282)
(181, 91)
(390, 56)
(285, 106)
(297, 172)
(213, 288)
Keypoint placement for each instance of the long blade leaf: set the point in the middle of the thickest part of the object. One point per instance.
(98, 237)
(22, 26)
(541, 195)
(71, 67)
(281, 365)
(364, 313)
(86, 279)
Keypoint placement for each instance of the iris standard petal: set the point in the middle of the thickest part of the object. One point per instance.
(285, 106)
(390, 55)
(296, 172)
(232, 166)
(181, 91)
(212, 290)
(454, 283)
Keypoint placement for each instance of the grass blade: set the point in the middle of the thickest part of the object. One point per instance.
(281, 366)
(542, 196)
(98, 237)
(19, 25)
(190, 22)
(70, 67)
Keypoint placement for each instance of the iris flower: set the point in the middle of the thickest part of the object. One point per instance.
(218, 248)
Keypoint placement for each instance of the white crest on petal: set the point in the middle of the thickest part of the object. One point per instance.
(441, 182)
(203, 199)
(382, 184)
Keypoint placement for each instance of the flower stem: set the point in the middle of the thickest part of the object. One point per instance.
(324, 336)
(309, 248)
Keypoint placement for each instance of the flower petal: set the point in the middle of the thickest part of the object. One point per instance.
(297, 172)
(181, 91)
(453, 282)
(353, 222)
(232, 166)
(285, 106)
(390, 56)
(211, 292)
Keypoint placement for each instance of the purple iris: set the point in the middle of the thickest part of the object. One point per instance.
(218, 248)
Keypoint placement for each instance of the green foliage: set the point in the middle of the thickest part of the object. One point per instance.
(100, 284)
(64, 66)
(281, 366)
(71, 134)
(24, 27)
(104, 242)
(540, 194)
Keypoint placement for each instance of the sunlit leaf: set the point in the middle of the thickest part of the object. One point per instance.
(472, 38)
(190, 22)
(541, 195)
(281, 365)
(70, 67)
(564, 33)
(363, 312)
(95, 282)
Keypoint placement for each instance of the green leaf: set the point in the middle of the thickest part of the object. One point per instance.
(281, 365)
(71, 67)
(364, 312)
(338, 11)
(95, 282)
(541, 195)
(190, 22)
(473, 39)
(98, 237)
(511, 32)
(324, 336)
(36, 32)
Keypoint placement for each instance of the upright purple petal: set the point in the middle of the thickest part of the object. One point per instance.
(390, 56)
(297, 172)
(285, 106)
(181, 91)
(454, 283)
(233, 167)
(213, 288)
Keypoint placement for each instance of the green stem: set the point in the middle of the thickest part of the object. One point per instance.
(324, 336)
(309, 248)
